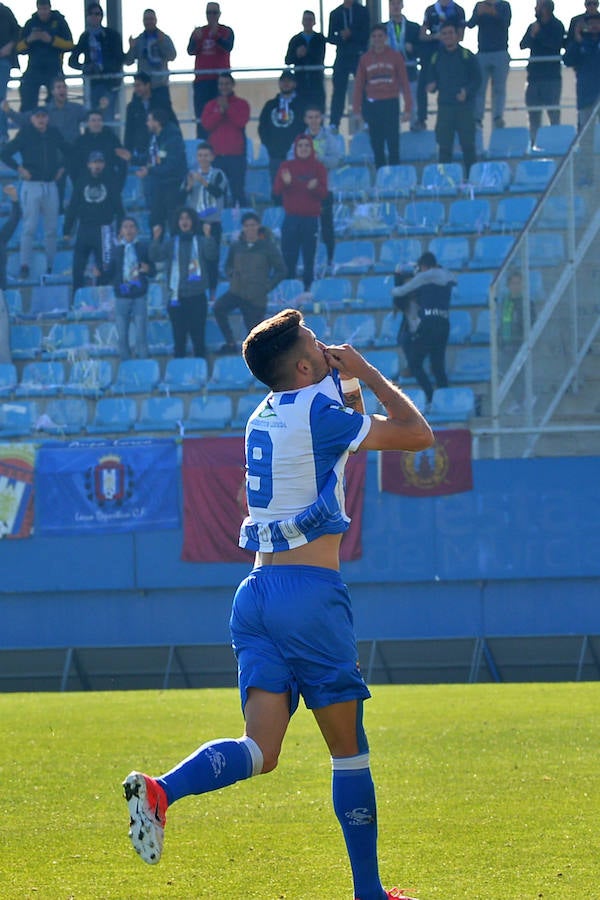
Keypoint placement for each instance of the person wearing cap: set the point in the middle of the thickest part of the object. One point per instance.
(431, 287)
(583, 55)
(102, 51)
(349, 28)
(211, 45)
(306, 52)
(44, 38)
(281, 120)
(225, 119)
(43, 153)
(153, 50)
(96, 209)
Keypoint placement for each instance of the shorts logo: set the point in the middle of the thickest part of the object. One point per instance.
(360, 816)
(217, 760)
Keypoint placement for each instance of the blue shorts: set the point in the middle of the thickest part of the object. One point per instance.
(292, 630)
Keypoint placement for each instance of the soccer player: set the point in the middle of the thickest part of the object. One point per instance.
(291, 622)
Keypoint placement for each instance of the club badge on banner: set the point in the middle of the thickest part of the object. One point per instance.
(444, 468)
(16, 490)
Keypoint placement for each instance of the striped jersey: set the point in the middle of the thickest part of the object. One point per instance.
(297, 444)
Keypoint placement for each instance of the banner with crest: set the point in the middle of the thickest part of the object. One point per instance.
(16, 490)
(444, 468)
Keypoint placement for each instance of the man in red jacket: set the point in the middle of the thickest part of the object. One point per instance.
(211, 44)
(225, 119)
(302, 184)
(380, 77)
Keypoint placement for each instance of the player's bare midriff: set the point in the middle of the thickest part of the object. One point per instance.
(324, 551)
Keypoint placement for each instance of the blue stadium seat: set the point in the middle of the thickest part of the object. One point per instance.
(471, 289)
(375, 291)
(113, 415)
(360, 151)
(64, 415)
(350, 182)
(342, 214)
(93, 302)
(285, 294)
(136, 376)
(88, 378)
(417, 395)
(392, 182)
(440, 180)
(450, 252)
(555, 212)
(209, 413)
(332, 293)
(491, 250)
(160, 337)
(470, 364)
(354, 328)
(481, 334)
(422, 217)
(41, 379)
(532, 175)
(257, 185)
(14, 302)
(104, 340)
(246, 405)
(191, 145)
(387, 361)
(468, 217)
(213, 336)
(49, 300)
(546, 248)
(190, 374)
(62, 268)
(25, 341)
(397, 252)
(508, 143)
(372, 404)
(353, 257)
(133, 193)
(18, 418)
(8, 379)
(230, 373)
(452, 404)
(37, 268)
(512, 213)
(491, 177)
(388, 330)
(460, 326)
(320, 325)
(160, 414)
(418, 146)
(261, 159)
(65, 340)
(272, 218)
(553, 140)
(372, 220)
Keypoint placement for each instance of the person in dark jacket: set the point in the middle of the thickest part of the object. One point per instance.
(188, 253)
(431, 287)
(305, 51)
(128, 271)
(455, 75)
(6, 232)
(99, 138)
(349, 30)
(102, 51)
(438, 14)
(9, 36)
(281, 120)
(254, 267)
(45, 37)
(583, 54)
(544, 37)
(166, 171)
(492, 18)
(96, 208)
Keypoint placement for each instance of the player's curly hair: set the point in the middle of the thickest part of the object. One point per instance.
(266, 350)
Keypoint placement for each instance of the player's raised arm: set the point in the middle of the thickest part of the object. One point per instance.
(404, 428)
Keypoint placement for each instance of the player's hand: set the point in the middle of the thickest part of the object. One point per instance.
(347, 360)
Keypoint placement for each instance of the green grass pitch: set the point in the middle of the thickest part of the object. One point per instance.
(485, 792)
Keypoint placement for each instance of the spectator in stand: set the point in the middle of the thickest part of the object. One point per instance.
(101, 138)
(45, 37)
(403, 36)
(211, 44)
(305, 51)
(281, 120)
(154, 50)
(225, 119)
(329, 152)
(591, 6)
(208, 189)
(187, 255)
(455, 76)
(349, 26)
(302, 184)
(492, 17)
(166, 170)
(380, 76)
(102, 51)
(9, 36)
(6, 232)
(583, 54)
(544, 37)
(43, 152)
(254, 267)
(137, 136)
(436, 15)
(96, 209)
(128, 271)
(432, 288)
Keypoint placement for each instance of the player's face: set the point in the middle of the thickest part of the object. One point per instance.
(313, 351)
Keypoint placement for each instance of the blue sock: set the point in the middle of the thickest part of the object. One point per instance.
(355, 806)
(213, 766)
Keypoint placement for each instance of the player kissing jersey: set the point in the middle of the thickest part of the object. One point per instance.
(297, 444)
